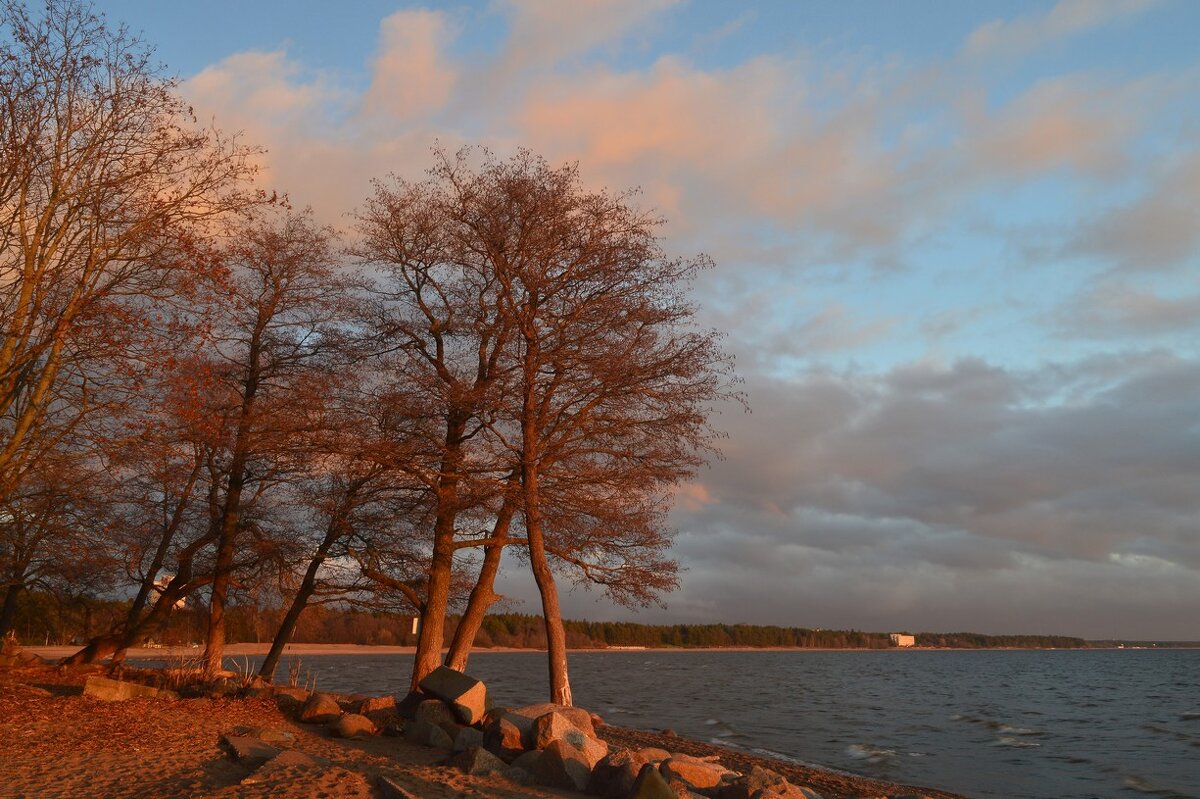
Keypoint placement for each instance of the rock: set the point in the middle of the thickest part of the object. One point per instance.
(352, 725)
(269, 735)
(247, 750)
(466, 695)
(555, 726)
(654, 754)
(288, 760)
(507, 734)
(478, 761)
(426, 734)
(792, 792)
(758, 779)
(651, 785)
(527, 761)
(436, 713)
(693, 771)
(576, 715)
(320, 709)
(379, 709)
(391, 789)
(518, 775)
(289, 697)
(613, 776)
(562, 766)
(116, 690)
(467, 737)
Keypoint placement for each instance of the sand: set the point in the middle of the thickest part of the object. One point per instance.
(55, 742)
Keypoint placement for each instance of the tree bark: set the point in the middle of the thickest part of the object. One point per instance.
(432, 631)
(482, 595)
(9, 611)
(299, 602)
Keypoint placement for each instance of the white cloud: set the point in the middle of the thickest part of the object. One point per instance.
(1068, 18)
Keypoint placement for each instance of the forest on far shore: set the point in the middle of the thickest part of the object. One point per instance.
(48, 619)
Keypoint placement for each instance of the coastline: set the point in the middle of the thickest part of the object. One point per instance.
(56, 652)
(56, 742)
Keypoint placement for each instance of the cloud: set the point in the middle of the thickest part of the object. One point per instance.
(411, 76)
(544, 32)
(1118, 310)
(1068, 18)
(1158, 230)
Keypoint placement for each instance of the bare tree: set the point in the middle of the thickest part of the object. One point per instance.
(614, 380)
(106, 186)
(276, 340)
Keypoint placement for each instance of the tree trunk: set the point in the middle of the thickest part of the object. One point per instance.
(433, 614)
(307, 586)
(482, 596)
(556, 639)
(9, 611)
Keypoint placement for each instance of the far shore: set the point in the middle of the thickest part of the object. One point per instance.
(311, 650)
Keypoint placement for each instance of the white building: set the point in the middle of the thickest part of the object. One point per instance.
(900, 639)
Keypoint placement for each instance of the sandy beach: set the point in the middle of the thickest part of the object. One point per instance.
(56, 742)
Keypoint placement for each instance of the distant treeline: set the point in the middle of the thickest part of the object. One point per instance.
(47, 618)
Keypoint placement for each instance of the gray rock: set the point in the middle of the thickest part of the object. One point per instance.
(478, 761)
(466, 695)
(651, 785)
(284, 761)
(247, 750)
(555, 726)
(527, 761)
(614, 775)
(576, 715)
(467, 737)
(426, 734)
(758, 779)
(562, 766)
(352, 725)
(435, 712)
(320, 709)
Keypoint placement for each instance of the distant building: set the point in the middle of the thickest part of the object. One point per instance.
(900, 639)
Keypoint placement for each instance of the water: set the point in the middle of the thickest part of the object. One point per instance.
(1011, 724)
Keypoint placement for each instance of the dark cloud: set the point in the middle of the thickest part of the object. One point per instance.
(954, 497)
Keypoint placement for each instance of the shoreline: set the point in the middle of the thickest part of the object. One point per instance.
(55, 652)
(57, 742)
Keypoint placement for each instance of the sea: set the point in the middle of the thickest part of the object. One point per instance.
(1012, 724)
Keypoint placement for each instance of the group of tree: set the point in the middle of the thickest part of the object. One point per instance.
(208, 397)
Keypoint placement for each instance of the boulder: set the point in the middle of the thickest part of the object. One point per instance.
(555, 726)
(116, 690)
(527, 761)
(467, 737)
(426, 734)
(756, 780)
(289, 697)
(576, 715)
(284, 761)
(390, 788)
(379, 709)
(613, 776)
(507, 734)
(694, 772)
(247, 750)
(651, 785)
(436, 713)
(352, 725)
(478, 761)
(320, 709)
(562, 766)
(654, 754)
(466, 695)
(269, 735)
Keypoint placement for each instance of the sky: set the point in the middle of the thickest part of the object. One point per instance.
(958, 262)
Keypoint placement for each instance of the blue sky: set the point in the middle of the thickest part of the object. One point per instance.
(958, 258)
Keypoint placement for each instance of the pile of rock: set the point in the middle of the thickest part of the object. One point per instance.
(557, 746)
